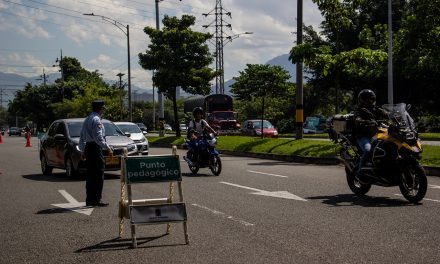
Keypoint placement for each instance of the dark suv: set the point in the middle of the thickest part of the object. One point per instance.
(59, 147)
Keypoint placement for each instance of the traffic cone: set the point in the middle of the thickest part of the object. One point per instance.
(28, 139)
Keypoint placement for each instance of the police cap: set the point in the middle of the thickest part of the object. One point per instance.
(98, 105)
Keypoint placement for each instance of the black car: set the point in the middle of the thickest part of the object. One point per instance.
(59, 147)
(14, 131)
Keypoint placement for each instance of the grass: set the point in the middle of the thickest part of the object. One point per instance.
(429, 135)
(284, 146)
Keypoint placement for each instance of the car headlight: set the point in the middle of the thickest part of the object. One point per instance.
(143, 139)
(131, 147)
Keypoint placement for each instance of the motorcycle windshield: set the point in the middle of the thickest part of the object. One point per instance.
(398, 114)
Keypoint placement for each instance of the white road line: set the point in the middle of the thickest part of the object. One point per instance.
(434, 186)
(223, 215)
(427, 199)
(270, 174)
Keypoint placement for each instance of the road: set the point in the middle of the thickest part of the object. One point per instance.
(256, 211)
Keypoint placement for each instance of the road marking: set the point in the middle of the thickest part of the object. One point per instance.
(427, 199)
(270, 174)
(73, 204)
(277, 194)
(434, 186)
(223, 215)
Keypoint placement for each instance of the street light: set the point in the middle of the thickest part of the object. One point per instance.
(126, 33)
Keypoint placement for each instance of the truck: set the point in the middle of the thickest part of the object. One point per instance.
(219, 112)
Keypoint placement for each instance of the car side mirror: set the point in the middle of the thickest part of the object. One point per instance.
(408, 106)
(144, 132)
(127, 134)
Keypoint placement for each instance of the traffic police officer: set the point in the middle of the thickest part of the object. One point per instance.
(91, 143)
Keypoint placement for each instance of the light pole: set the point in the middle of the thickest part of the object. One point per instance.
(126, 33)
(390, 53)
(159, 94)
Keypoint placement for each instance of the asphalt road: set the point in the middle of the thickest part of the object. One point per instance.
(256, 211)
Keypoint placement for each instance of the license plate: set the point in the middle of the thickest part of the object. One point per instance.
(112, 161)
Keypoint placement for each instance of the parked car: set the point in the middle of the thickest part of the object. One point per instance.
(167, 127)
(315, 124)
(134, 132)
(59, 147)
(183, 127)
(14, 131)
(253, 128)
(142, 126)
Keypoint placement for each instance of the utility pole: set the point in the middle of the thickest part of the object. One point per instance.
(60, 64)
(159, 94)
(121, 88)
(299, 114)
(43, 77)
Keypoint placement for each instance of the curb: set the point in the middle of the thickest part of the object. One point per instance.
(430, 171)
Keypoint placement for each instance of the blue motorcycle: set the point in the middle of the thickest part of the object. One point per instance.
(202, 154)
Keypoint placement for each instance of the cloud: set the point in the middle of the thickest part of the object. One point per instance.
(102, 60)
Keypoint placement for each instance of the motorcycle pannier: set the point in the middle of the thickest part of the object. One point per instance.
(343, 124)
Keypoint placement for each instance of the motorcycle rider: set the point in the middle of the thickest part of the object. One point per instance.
(196, 127)
(366, 126)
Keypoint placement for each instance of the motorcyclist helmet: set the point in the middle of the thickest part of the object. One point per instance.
(367, 98)
(197, 110)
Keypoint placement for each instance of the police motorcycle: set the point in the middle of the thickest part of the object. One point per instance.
(395, 153)
(203, 154)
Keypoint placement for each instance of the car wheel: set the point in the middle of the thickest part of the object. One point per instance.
(70, 169)
(46, 169)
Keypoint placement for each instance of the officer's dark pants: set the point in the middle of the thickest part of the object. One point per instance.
(95, 172)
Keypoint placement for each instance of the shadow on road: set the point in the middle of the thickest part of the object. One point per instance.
(122, 244)
(62, 177)
(365, 201)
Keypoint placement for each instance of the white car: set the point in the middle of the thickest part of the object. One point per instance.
(136, 134)
(183, 127)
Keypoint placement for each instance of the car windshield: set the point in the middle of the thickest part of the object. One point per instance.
(266, 124)
(110, 129)
(128, 128)
(223, 115)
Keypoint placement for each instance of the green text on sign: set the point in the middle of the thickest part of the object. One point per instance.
(152, 169)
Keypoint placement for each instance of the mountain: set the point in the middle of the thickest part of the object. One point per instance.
(282, 61)
(10, 82)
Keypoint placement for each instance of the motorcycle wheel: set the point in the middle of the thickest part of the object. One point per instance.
(413, 184)
(215, 164)
(355, 185)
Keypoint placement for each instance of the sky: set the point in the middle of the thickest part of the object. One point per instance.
(34, 32)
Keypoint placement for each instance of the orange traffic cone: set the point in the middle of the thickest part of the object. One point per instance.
(28, 139)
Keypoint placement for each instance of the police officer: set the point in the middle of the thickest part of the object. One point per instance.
(91, 143)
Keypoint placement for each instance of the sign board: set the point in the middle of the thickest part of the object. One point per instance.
(152, 169)
(156, 213)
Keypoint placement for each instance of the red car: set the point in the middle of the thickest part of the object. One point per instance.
(253, 128)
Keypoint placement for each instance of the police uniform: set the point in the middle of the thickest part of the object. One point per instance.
(91, 143)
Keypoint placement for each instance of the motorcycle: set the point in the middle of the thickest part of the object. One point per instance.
(202, 154)
(395, 153)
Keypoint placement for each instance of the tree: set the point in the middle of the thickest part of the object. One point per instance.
(350, 54)
(261, 81)
(69, 98)
(179, 57)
